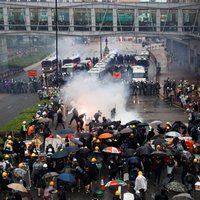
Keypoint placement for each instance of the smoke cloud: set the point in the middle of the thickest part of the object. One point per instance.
(90, 95)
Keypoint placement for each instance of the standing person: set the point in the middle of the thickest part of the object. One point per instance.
(117, 195)
(80, 122)
(23, 130)
(141, 185)
(86, 179)
(161, 195)
(22, 149)
(74, 116)
(60, 119)
(97, 115)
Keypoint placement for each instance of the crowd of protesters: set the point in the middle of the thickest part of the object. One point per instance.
(136, 151)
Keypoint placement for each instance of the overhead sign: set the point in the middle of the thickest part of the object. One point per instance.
(32, 72)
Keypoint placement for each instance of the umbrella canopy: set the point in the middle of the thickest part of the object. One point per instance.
(126, 130)
(182, 196)
(66, 131)
(17, 186)
(159, 154)
(142, 124)
(59, 154)
(175, 186)
(173, 134)
(158, 141)
(71, 149)
(20, 173)
(144, 150)
(157, 136)
(105, 136)
(129, 152)
(115, 183)
(99, 157)
(133, 160)
(155, 123)
(83, 152)
(66, 177)
(76, 141)
(44, 120)
(112, 150)
(49, 175)
(85, 135)
(133, 122)
(69, 136)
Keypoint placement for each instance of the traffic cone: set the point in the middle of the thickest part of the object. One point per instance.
(102, 186)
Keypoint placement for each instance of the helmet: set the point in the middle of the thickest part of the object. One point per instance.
(96, 148)
(158, 146)
(98, 141)
(8, 146)
(9, 137)
(51, 183)
(20, 165)
(117, 193)
(4, 174)
(93, 160)
(6, 156)
(10, 142)
(24, 122)
(132, 126)
(45, 165)
(85, 147)
(33, 155)
(195, 160)
(167, 127)
(94, 139)
(140, 173)
(168, 123)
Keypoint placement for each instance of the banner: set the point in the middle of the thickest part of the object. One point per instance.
(32, 72)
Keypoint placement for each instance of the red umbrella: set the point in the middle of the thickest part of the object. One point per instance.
(69, 136)
(115, 183)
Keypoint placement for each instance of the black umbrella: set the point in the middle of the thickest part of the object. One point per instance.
(83, 152)
(197, 121)
(99, 157)
(158, 141)
(129, 152)
(72, 149)
(76, 141)
(159, 154)
(133, 122)
(157, 136)
(85, 135)
(59, 154)
(133, 160)
(144, 150)
(126, 131)
(182, 196)
(142, 124)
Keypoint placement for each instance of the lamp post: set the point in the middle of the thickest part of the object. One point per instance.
(56, 19)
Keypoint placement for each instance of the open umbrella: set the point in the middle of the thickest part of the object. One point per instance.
(17, 186)
(66, 177)
(175, 186)
(157, 136)
(126, 130)
(143, 124)
(172, 134)
(182, 196)
(19, 173)
(76, 141)
(159, 154)
(115, 183)
(71, 149)
(105, 136)
(133, 122)
(66, 131)
(59, 154)
(129, 152)
(69, 136)
(49, 175)
(158, 141)
(83, 152)
(133, 160)
(155, 123)
(144, 150)
(44, 120)
(112, 150)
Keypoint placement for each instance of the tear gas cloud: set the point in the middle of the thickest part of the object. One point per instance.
(89, 96)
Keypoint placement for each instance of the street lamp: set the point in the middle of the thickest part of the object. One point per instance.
(56, 19)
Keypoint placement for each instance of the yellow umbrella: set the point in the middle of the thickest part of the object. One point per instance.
(17, 186)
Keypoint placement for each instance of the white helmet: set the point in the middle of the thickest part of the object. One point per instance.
(45, 165)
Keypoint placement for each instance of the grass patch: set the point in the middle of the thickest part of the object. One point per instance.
(26, 115)
(27, 60)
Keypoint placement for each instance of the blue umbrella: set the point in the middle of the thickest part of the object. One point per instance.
(66, 177)
(70, 149)
(133, 160)
(66, 131)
